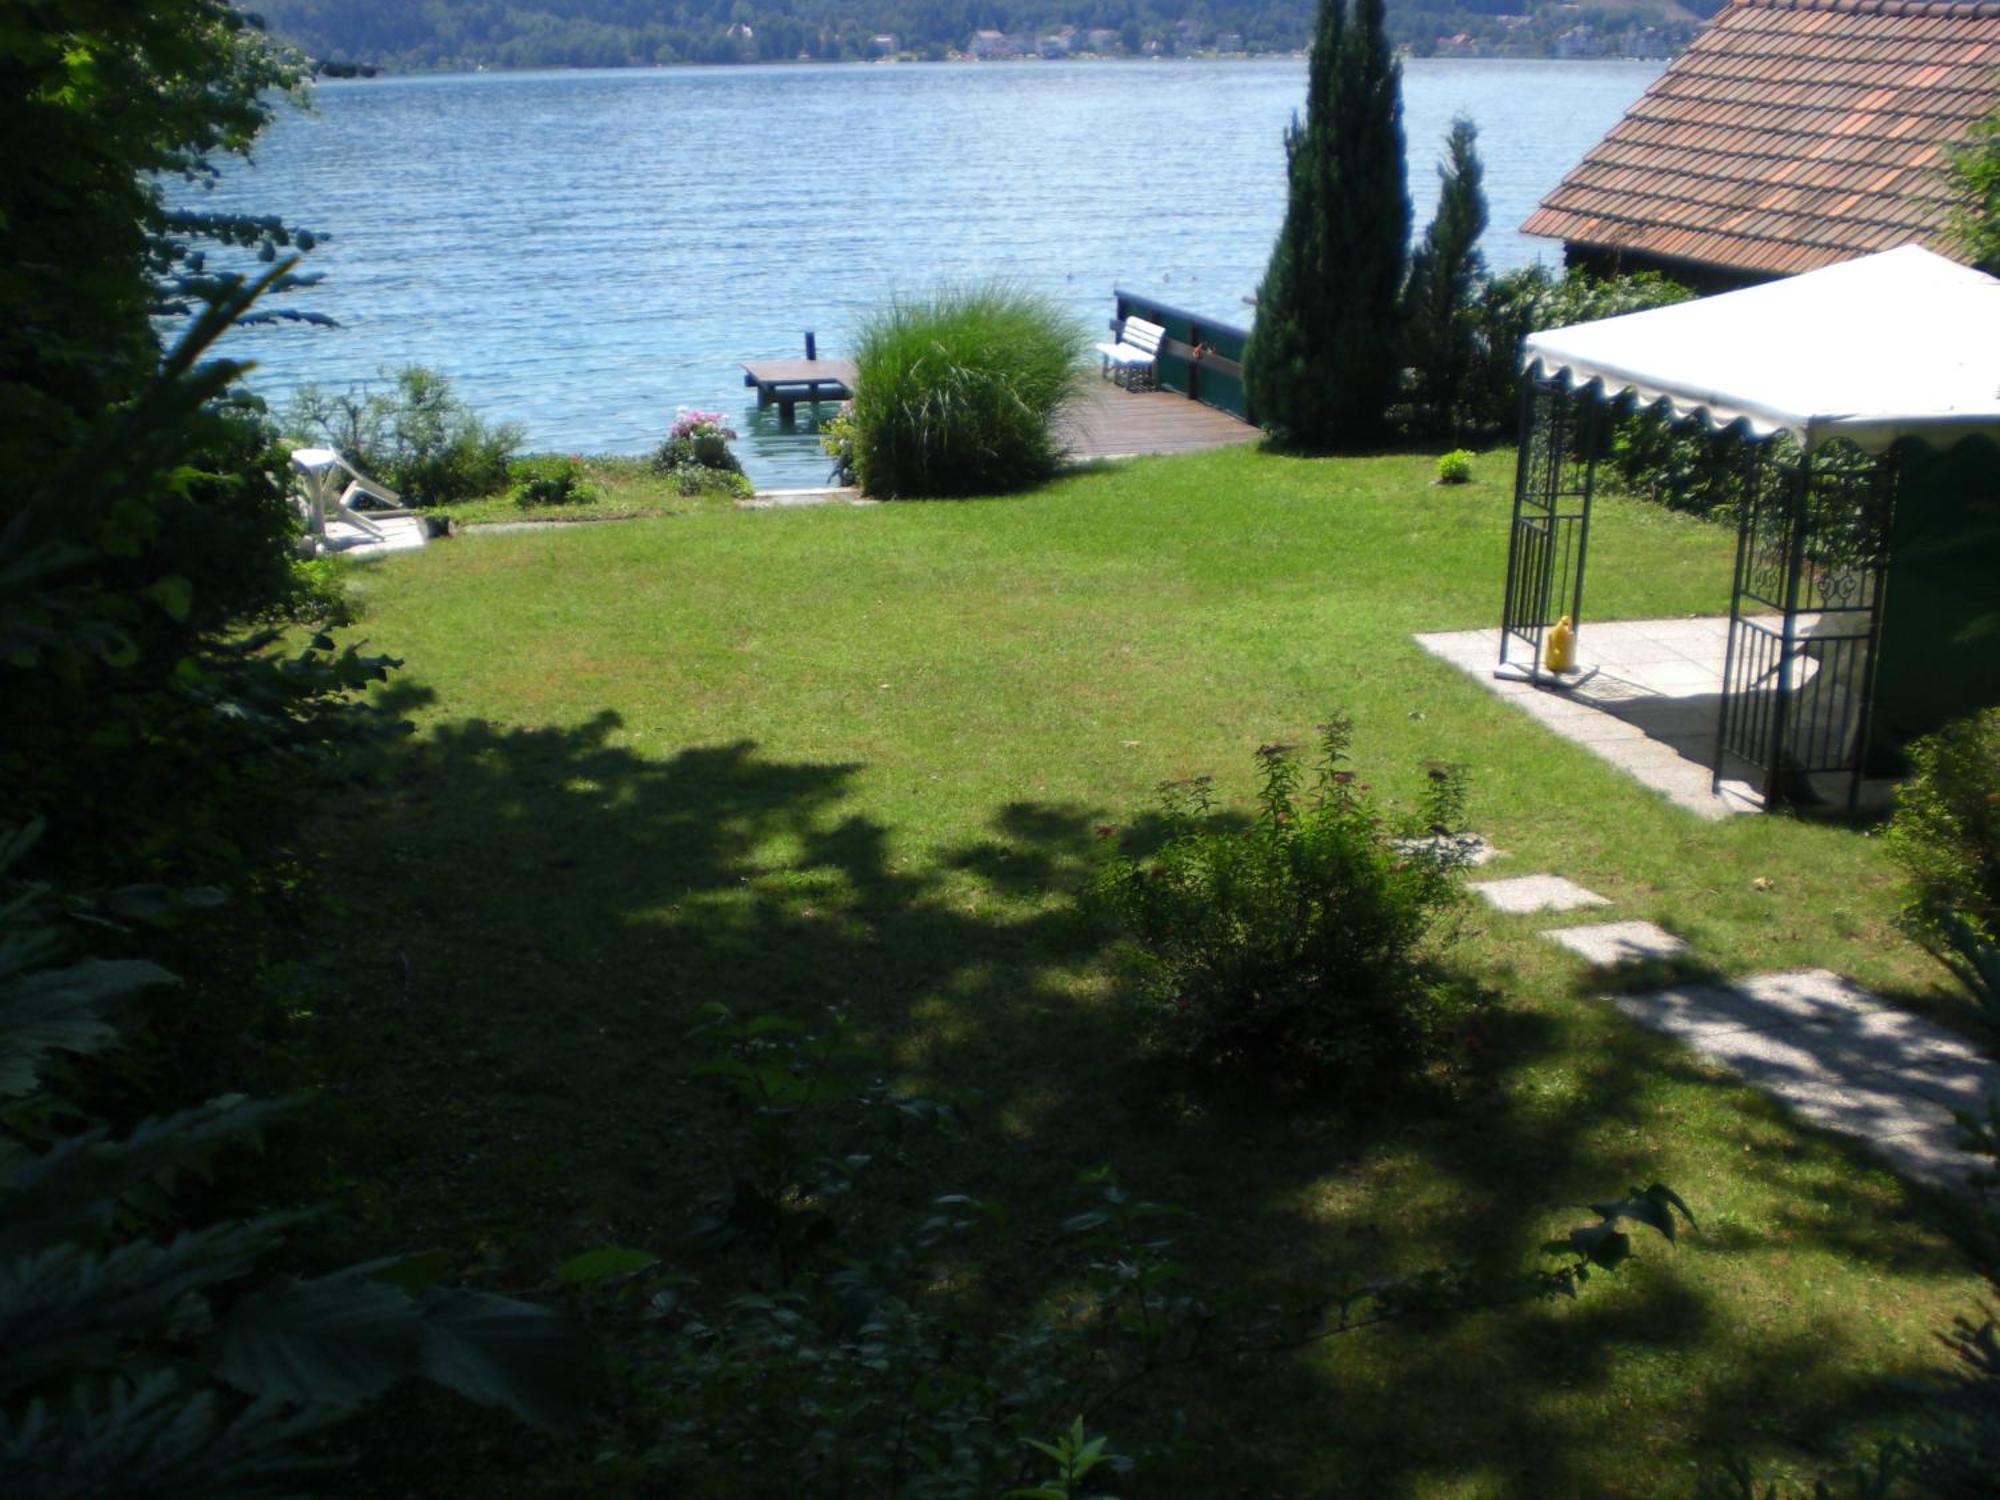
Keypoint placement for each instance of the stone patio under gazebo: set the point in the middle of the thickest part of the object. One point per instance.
(1646, 700)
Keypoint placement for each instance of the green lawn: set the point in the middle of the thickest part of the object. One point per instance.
(857, 757)
(625, 488)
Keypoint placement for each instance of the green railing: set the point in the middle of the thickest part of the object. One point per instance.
(1200, 357)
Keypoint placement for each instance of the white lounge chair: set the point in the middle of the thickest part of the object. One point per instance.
(333, 515)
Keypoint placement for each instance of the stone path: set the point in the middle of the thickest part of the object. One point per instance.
(1526, 893)
(1839, 1057)
(1836, 1055)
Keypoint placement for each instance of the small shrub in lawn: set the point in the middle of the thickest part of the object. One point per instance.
(959, 394)
(419, 438)
(699, 479)
(697, 440)
(1455, 467)
(550, 480)
(836, 441)
(1295, 949)
(1946, 835)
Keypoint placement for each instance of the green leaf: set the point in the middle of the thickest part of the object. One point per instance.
(603, 1264)
(342, 1338)
(416, 1272)
(500, 1352)
(174, 594)
(53, 1010)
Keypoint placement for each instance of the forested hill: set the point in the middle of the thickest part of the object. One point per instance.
(626, 33)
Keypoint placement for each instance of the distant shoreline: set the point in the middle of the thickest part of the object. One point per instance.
(343, 72)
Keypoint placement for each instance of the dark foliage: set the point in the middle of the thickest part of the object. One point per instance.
(796, 1345)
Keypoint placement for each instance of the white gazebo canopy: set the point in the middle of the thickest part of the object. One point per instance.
(1900, 344)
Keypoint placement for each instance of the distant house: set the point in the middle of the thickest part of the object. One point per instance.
(1791, 134)
(989, 44)
(882, 44)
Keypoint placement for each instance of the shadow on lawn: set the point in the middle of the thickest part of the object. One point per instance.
(532, 919)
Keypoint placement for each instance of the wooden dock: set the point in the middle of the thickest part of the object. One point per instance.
(1110, 422)
(784, 383)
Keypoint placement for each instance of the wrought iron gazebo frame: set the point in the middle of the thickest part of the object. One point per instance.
(1805, 609)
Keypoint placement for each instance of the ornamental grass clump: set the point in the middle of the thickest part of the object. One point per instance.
(1296, 951)
(960, 393)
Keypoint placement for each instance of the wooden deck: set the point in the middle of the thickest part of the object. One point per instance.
(1110, 422)
(786, 382)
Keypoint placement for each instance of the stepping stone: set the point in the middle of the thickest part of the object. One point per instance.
(1525, 893)
(1837, 1057)
(1470, 847)
(1611, 943)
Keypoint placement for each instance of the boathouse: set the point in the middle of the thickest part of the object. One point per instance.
(1790, 135)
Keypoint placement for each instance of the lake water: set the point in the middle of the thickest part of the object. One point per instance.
(584, 252)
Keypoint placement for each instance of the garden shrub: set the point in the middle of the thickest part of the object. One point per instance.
(1946, 835)
(836, 441)
(1294, 949)
(1455, 467)
(960, 393)
(1518, 303)
(419, 437)
(696, 456)
(550, 479)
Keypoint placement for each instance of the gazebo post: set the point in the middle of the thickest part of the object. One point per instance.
(1800, 494)
(1592, 431)
(1546, 546)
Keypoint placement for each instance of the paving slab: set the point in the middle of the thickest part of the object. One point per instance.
(1837, 1057)
(1608, 944)
(1693, 1011)
(1526, 893)
(1472, 848)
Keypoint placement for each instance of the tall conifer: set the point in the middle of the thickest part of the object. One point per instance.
(1284, 373)
(1439, 322)
(1322, 361)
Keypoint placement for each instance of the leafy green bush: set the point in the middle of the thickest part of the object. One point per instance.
(1294, 949)
(1455, 467)
(1946, 835)
(696, 456)
(698, 440)
(418, 438)
(960, 393)
(550, 479)
(836, 441)
(1518, 303)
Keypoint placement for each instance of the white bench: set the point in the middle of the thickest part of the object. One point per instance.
(1133, 359)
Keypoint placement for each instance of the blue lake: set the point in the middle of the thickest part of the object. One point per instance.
(584, 252)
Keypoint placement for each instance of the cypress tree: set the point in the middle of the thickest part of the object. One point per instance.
(1439, 322)
(1284, 374)
(1322, 361)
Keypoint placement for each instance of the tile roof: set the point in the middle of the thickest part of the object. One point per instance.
(1791, 134)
